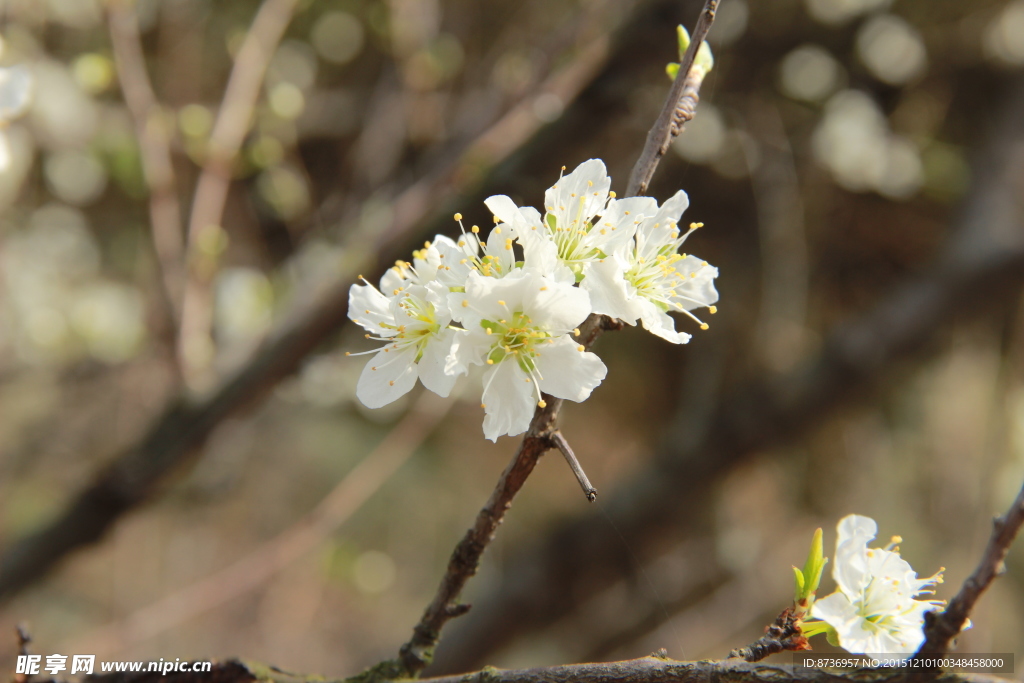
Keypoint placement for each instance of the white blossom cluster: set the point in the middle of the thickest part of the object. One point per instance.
(469, 302)
(876, 607)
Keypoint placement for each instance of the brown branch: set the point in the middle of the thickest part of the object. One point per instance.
(418, 652)
(679, 105)
(562, 444)
(784, 634)
(229, 130)
(154, 139)
(543, 433)
(940, 628)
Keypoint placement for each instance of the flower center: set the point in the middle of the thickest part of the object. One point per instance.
(515, 337)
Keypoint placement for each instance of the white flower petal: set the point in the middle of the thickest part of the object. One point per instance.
(389, 376)
(610, 294)
(617, 224)
(698, 288)
(369, 308)
(580, 195)
(567, 372)
(468, 347)
(660, 323)
(851, 567)
(431, 365)
(557, 306)
(508, 400)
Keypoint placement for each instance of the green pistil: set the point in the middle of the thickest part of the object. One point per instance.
(516, 337)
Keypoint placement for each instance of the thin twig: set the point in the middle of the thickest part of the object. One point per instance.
(229, 130)
(562, 444)
(678, 108)
(151, 131)
(418, 652)
(782, 635)
(940, 628)
(253, 569)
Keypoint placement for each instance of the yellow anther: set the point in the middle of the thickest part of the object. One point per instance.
(367, 335)
(490, 362)
(704, 326)
(500, 302)
(475, 229)
(542, 404)
(626, 213)
(712, 309)
(581, 348)
(348, 353)
(694, 226)
(458, 216)
(426, 245)
(374, 367)
(543, 289)
(612, 195)
(391, 383)
(484, 406)
(496, 220)
(465, 303)
(576, 331)
(497, 231)
(490, 331)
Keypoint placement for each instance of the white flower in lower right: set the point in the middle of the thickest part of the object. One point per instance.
(876, 609)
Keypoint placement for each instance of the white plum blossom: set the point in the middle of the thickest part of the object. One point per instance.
(645, 278)
(413, 324)
(875, 609)
(577, 222)
(519, 327)
(521, 294)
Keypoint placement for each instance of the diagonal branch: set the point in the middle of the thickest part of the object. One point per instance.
(678, 108)
(418, 652)
(941, 628)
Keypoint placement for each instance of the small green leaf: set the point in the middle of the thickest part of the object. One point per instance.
(833, 637)
(672, 69)
(799, 576)
(813, 567)
(683, 36)
(552, 221)
(704, 59)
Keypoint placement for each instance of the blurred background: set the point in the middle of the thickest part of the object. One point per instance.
(184, 471)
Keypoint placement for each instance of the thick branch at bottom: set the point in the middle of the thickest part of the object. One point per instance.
(653, 669)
